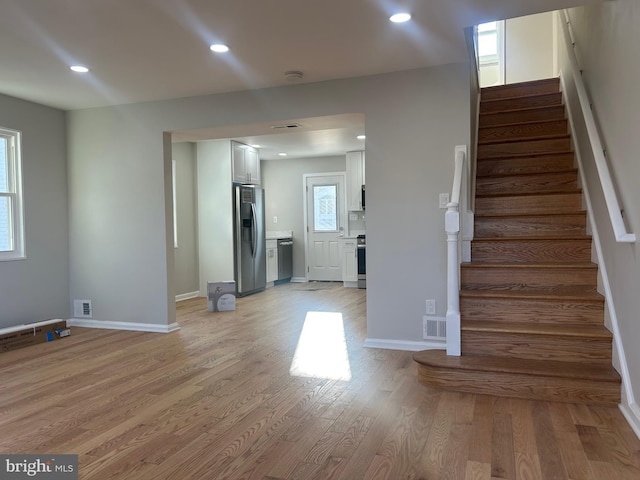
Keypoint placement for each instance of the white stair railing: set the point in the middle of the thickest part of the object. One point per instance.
(611, 199)
(452, 229)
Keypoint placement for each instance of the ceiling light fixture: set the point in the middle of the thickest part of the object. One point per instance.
(282, 154)
(79, 69)
(256, 146)
(361, 137)
(400, 17)
(219, 48)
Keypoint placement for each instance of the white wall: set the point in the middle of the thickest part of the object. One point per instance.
(186, 254)
(414, 120)
(529, 48)
(607, 40)
(120, 214)
(282, 181)
(215, 212)
(37, 288)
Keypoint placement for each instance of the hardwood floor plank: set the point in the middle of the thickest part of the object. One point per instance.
(477, 471)
(552, 466)
(480, 448)
(527, 467)
(523, 428)
(503, 456)
(574, 456)
(456, 453)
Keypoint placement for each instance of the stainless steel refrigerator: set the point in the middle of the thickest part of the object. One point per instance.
(250, 267)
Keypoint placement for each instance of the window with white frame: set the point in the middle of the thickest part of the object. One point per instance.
(490, 44)
(11, 213)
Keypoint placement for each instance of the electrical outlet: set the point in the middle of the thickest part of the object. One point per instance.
(431, 307)
(275, 219)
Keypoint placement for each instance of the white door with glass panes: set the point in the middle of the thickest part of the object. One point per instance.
(325, 220)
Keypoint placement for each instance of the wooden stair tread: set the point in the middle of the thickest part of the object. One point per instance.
(533, 155)
(545, 368)
(532, 239)
(515, 124)
(527, 139)
(529, 265)
(515, 110)
(515, 97)
(524, 155)
(552, 329)
(524, 174)
(521, 115)
(529, 215)
(558, 294)
(548, 191)
(515, 139)
(537, 99)
(543, 83)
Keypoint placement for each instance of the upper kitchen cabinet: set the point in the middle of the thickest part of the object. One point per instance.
(355, 180)
(246, 164)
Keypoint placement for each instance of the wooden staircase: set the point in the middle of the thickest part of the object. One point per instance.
(531, 318)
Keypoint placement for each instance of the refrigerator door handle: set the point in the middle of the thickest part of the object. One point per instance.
(254, 228)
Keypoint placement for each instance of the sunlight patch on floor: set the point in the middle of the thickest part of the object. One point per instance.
(322, 348)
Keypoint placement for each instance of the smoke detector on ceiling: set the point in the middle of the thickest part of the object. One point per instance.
(293, 75)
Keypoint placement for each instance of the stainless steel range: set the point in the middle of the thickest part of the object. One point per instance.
(362, 261)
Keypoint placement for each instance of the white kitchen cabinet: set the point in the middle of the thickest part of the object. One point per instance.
(246, 164)
(349, 262)
(355, 180)
(272, 260)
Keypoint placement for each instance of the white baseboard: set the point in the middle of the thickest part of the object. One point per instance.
(137, 327)
(406, 345)
(632, 413)
(298, 279)
(187, 296)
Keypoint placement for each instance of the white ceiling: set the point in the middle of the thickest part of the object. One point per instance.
(146, 50)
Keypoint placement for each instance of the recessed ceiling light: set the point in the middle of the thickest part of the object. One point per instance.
(400, 17)
(79, 68)
(361, 137)
(219, 48)
(256, 146)
(282, 154)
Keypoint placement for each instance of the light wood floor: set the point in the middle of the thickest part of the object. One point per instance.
(216, 400)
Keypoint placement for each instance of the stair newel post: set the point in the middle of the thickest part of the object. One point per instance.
(452, 229)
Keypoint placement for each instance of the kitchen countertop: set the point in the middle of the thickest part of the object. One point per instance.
(278, 234)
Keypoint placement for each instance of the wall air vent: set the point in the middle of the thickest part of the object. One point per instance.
(287, 126)
(434, 328)
(82, 309)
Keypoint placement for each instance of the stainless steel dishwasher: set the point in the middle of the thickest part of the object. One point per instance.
(285, 259)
